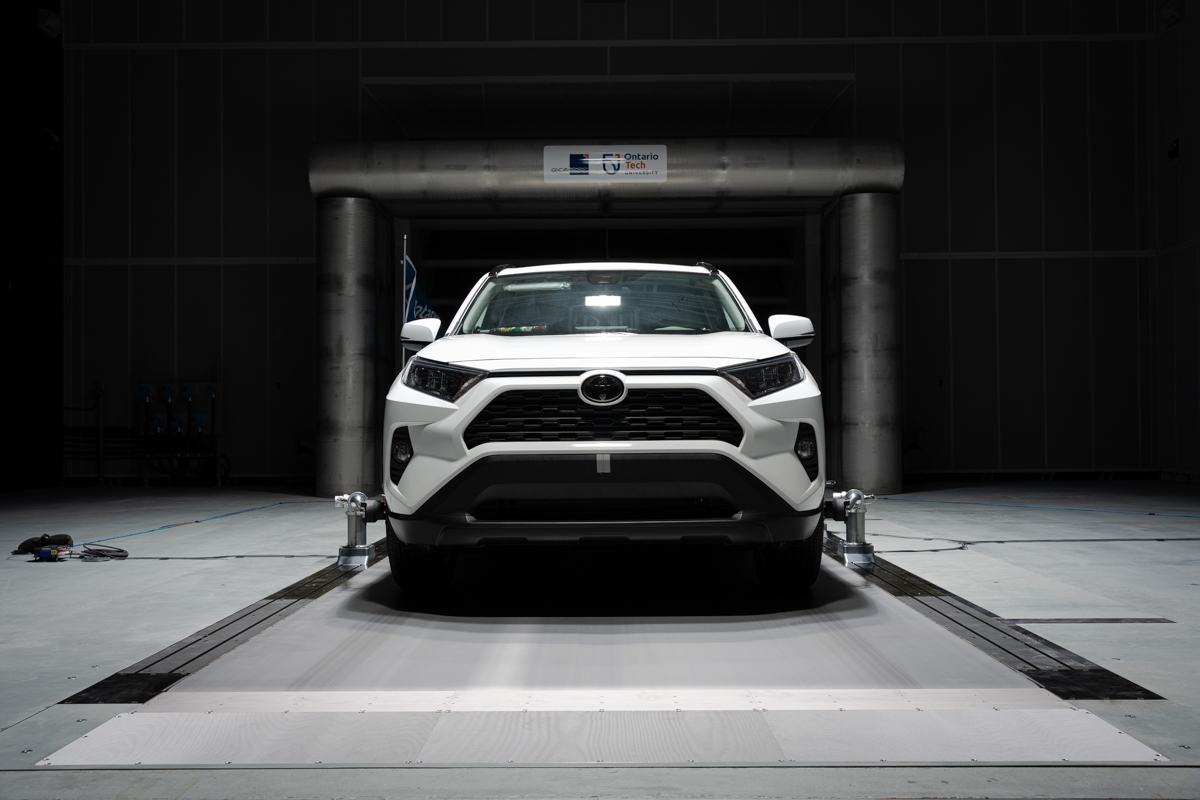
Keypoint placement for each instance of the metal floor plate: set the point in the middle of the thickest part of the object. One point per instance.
(353, 678)
(355, 639)
(611, 737)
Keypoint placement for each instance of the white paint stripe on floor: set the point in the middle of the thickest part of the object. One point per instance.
(611, 737)
(613, 700)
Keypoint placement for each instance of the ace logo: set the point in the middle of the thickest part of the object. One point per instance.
(579, 163)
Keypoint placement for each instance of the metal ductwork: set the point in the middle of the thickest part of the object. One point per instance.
(507, 178)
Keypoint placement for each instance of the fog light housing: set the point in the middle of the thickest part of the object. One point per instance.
(806, 450)
(401, 454)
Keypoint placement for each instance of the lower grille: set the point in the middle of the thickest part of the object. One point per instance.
(644, 415)
(659, 509)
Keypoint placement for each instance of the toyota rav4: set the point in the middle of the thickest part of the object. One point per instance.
(604, 403)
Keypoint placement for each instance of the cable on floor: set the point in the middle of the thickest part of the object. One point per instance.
(963, 544)
(101, 552)
(206, 519)
(1043, 508)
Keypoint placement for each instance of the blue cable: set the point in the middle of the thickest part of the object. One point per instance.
(1044, 508)
(206, 519)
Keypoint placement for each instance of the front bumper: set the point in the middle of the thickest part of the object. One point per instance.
(449, 532)
(620, 497)
(769, 426)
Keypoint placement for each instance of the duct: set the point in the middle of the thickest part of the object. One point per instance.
(346, 439)
(870, 342)
(447, 178)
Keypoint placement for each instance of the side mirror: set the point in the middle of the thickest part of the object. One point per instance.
(793, 331)
(419, 332)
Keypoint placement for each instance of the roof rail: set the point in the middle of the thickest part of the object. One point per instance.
(711, 269)
(496, 270)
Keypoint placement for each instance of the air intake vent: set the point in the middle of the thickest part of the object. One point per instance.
(658, 509)
(644, 415)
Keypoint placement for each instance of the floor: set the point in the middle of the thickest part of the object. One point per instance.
(1068, 575)
(689, 660)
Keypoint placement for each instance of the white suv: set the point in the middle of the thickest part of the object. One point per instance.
(606, 403)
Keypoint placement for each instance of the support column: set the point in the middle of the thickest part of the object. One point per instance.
(347, 439)
(870, 342)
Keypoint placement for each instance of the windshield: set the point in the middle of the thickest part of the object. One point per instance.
(549, 303)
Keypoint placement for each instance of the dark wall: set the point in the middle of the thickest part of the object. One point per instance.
(1175, 154)
(1049, 245)
(31, 279)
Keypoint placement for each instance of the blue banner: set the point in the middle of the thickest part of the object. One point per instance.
(418, 304)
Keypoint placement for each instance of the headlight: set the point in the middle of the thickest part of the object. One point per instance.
(440, 380)
(764, 377)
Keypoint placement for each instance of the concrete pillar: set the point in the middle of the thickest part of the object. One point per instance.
(347, 435)
(870, 342)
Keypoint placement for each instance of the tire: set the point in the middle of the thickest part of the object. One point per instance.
(419, 569)
(790, 567)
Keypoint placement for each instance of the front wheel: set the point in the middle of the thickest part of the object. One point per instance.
(419, 569)
(791, 566)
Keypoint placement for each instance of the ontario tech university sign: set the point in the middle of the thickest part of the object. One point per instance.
(580, 163)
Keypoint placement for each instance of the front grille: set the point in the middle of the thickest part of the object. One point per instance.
(659, 509)
(645, 415)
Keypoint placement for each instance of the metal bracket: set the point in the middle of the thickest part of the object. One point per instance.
(860, 554)
(357, 553)
(851, 506)
(354, 557)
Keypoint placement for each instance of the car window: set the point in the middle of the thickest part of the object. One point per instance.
(549, 303)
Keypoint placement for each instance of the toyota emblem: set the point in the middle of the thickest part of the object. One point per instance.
(602, 388)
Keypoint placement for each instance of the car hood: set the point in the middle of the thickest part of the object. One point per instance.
(603, 350)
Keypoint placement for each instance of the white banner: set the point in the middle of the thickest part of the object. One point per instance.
(595, 163)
